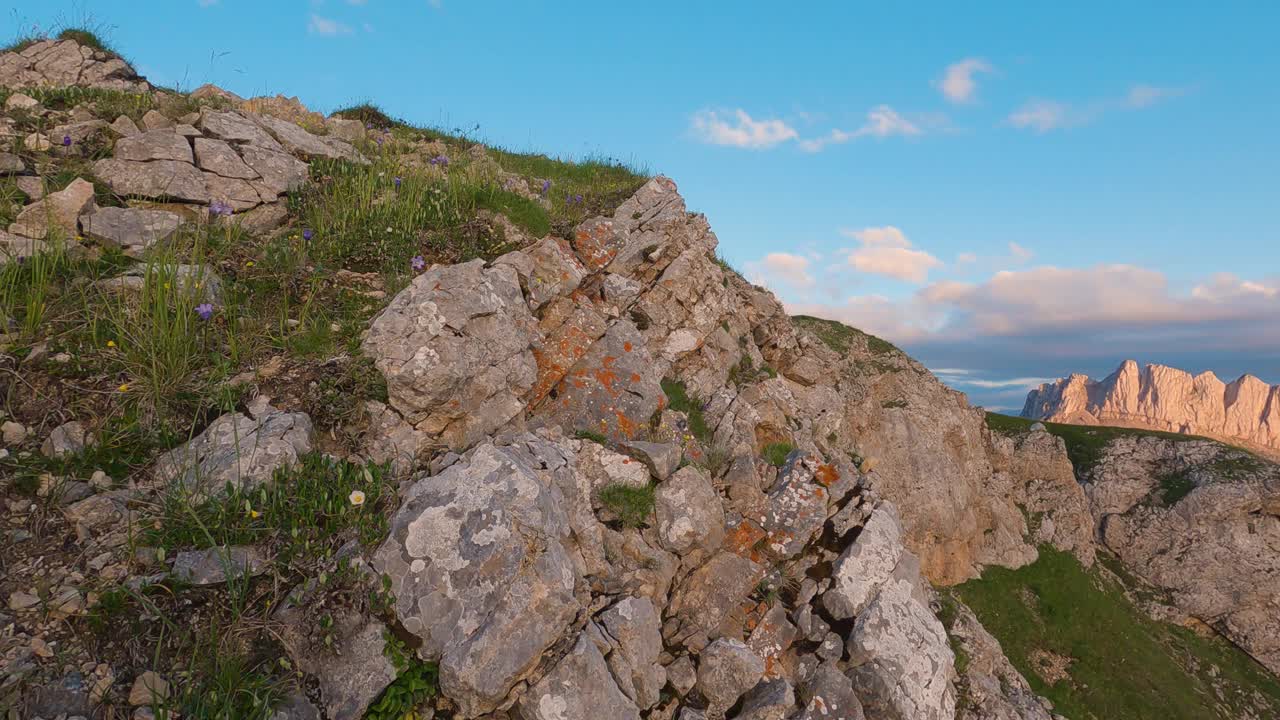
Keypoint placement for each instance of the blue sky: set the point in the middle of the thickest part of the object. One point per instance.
(1012, 190)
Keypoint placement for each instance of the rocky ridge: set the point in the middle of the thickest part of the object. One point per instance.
(1245, 411)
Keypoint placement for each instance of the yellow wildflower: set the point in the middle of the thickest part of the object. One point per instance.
(124, 387)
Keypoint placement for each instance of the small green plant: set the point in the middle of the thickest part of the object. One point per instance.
(594, 437)
(1175, 486)
(630, 503)
(895, 403)
(776, 453)
(416, 682)
(27, 289)
(678, 399)
(218, 687)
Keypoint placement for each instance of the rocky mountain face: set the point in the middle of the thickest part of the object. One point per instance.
(1201, 521)
(792, 490)
(1246, 411)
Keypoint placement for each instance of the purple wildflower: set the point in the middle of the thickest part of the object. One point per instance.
(378, 140)
(306, 234)
(204, 310)
(546, 185)
(396, 180)
(572, 199)
(66, 141)
(217, 207)
(418, 263)
(440, 160)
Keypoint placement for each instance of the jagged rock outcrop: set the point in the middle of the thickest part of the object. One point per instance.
(61, 63)
(1246, 411)
(1202, 522)
(994, 690)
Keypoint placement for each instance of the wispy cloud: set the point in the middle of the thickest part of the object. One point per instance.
(742, 131)
(887, 251)
(788, 268)
(1019, 253)
(1041, 116)
(326, 26)
(957, 83)
(882, 122)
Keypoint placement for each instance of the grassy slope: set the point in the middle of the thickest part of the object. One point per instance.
(1123, 665)
(1085, 443)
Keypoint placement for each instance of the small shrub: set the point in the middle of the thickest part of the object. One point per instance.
(416, 682)
(631, 504)
(369, 114)
(678, 399)
(776, 453)
(1175, 486)
(594, 437)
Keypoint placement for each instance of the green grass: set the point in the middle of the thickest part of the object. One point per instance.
(631, 504)
(87, 37)
(678, 399)
(776, 453)
(303, 514)
(416, 682)
(1175, 486)
(218, 687)
(594, 437)
(369, 114)
(841, 337)
(1123, 665)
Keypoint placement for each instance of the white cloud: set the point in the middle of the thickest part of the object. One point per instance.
(747, 132)
(1141, 96)
(957, 83)
(1045, 115)
(887, 251)
(1040, 115)
(790, 269)
(1223, 287)
(1020, 254)
(327, 27)
(882, 121)
(966, 258)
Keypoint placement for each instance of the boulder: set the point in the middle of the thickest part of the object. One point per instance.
(479, 570)
(454, 347)
(279, 172)
(706, 597)
(829, 695)
(578, 688)
(11, 164)
(237, 129)
(356, 674)
(216, 156)
(865, 564)
(215, 565)
(300, 142)
(726, 669)
(634, 631)
(58, 211)
(157, 179)
(770, 700)
(662, 459)
(690, 516)
(67, 439)
(237, 450)
(162, 144)
(61, 63)
(124, 126)
(133, 230)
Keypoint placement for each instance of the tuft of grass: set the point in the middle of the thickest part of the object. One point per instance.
(678, 399)
(1122, 664)
(776, 453)
(631, 504)
(87, 37)
(594, 437)
(303, 514)
(1175, 486)
(369, 114)
(220, 686)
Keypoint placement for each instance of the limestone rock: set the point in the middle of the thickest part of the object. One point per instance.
(707, 596)
(578, 688)
(454, 347)
(59, 63)
(770, 700)
(59, 210)
(124, 126)
(156, 179)
(133, 230)
(279, 172)
(995, 688)
(215, 565)
(726, 669)
(67, 439)
(1163, 398)
(829, 695)
(237, 129)
(690, 516)
(479, 570)
(148, 689)
(633, 628)
(10, 164)
(162, 144)
(350, 680)
(238, 450)
(662, 459)
(300, 142)
(217, 157)
(199, 280)
(865, 565)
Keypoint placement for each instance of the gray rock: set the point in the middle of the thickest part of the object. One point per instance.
(796, 506)
(10, 164)
(682, 675)
(354, 676)
(300, 142)
(16, 247)
(67, 439)
(993, 687)
(238, 450)
(479, 571)
(156, 179)
(20, 101)
(200, 280)
(62, 63)
(455, 348)
(829, 695)
(279, 171)
(866, 564)
(578, 688)
(56, 211)
(215, 565)
(689, 513)
(726, 669)
(237, 129)
(125, 127)
(262, 219)
(77, 131)
(662, 459)
(155, 120)
(900, 657)
(154, 145)
(295, 706)
(31, 186)
(344, 129)
(706, 597)
(217, 157)
(133, 230)
(13, 433)
(770, 700)
(61, 698)
(634, 630)
(239, 194)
